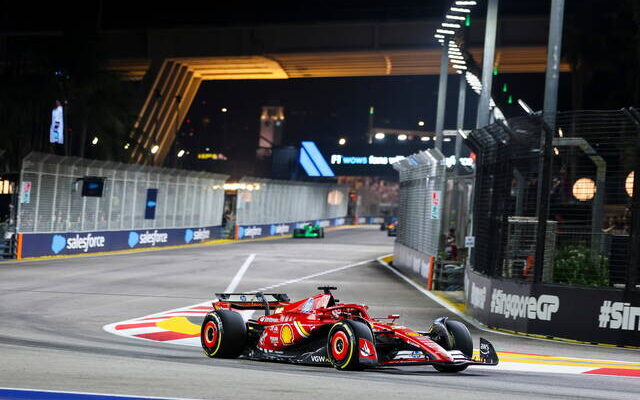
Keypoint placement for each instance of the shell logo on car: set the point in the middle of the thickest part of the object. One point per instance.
(286, 334)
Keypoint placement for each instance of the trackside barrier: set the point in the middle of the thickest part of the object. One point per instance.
(557, 226)
(53, 244)
(271, 207)
(282, 229)
(422, 185)
(594, 315)
(369, 220)
(51, 198)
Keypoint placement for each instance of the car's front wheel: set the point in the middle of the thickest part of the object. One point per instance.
(350, 345)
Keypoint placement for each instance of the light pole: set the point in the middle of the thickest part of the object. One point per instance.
(484, 109)
(554, 50)
(442, 95)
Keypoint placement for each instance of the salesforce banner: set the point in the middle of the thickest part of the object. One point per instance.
(283, 229)
(597, 315)
(52, 244)
(370, 220)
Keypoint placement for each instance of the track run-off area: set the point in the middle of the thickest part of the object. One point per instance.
(128, 324)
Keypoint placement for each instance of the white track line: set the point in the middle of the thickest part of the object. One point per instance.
(236, 279)
(475, 323)
(245, 314)
(329, 271)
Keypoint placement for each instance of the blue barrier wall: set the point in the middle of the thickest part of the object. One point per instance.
(258, 231)
(52, 244)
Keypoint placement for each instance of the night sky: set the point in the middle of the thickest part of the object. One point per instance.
(597, 35)
(326, 109)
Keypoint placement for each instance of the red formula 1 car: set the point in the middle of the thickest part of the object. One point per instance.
(320, 331)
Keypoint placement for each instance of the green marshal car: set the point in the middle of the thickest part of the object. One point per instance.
(309, 231)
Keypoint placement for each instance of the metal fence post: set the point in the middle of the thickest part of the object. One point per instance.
(544, 181)
(37, 207)
(55, 196)
(97, 212)
(175, 200)
(124, 197)
(133, 203)
(634, 259)
(113, 185)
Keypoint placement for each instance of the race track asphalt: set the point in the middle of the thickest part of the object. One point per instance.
(52, 314)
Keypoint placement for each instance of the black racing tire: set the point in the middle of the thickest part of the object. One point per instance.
(223, 334)
(450, 368)
(321, 233)
(342, 344)
(461, 337)
(462, 341)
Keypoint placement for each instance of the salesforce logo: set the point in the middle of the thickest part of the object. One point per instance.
(281, 229)
(58, 243)
(198, 234)
(153, 238)
(134, 238)
(249, 231)
(77, 242)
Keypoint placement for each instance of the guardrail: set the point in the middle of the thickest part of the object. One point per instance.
(588, 314)
(69, 243)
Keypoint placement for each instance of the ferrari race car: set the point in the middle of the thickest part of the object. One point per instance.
(309, 231)
(319, 330)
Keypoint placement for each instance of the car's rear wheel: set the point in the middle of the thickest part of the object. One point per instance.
(223, 334)
(343, 345)
(321, 233)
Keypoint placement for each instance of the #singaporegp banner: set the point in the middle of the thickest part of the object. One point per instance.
(53, 244)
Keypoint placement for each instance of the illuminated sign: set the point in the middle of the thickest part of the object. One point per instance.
(234, 186)
(339, 159)
(211, 156)
(56, 130)
(312, 160)
(464, 161)
(6, 187)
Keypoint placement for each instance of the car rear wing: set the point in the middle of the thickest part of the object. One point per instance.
(251, 301)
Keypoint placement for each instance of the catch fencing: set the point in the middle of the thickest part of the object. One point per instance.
(422, 188)
(140, 206)
(56, 204)
(556, 214)
(270, 207)
(557, 226)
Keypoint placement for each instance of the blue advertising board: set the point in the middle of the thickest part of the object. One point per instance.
(150, 205)
(258, 231)
(52, 244)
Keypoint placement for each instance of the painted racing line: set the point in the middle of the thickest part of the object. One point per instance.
(174, 327)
